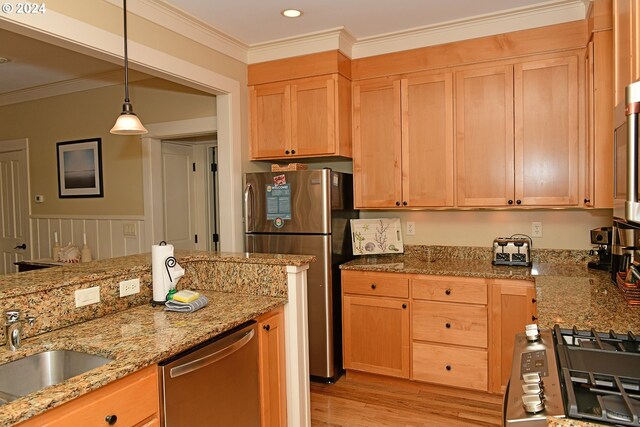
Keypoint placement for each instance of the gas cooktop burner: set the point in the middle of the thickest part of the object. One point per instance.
(607, 341)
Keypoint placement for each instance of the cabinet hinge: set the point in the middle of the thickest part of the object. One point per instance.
(215, 237)
(214, 167)
(194, 167)
(196, 238)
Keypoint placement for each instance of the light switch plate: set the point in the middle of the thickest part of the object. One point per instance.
(87, 296)
(129, 229)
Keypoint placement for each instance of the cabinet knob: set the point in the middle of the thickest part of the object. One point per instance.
(448, 367)
(519, 202)
(293, 151)
(266, 327)
(510, 202)
(448, 292)
(373, 286)
(534, 318)
(286, 152)
(448, 325)
(111, 419)
(404, 203)
(586, 200)
(404, 305)
(397, 203)
(533, 300)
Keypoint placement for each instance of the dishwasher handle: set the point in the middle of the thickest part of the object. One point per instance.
(213, 357)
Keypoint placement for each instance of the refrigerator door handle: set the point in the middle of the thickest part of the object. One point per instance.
(248, 209)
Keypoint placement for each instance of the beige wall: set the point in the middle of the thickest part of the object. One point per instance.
(90, 114)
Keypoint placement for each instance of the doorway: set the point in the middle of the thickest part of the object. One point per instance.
(190, 192)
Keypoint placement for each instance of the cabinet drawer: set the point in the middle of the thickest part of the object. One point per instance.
(450, 323)
(458, 367)
(450, 289)
(133, 399)
(375, 284)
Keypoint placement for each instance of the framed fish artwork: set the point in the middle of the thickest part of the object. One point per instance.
(376, 236)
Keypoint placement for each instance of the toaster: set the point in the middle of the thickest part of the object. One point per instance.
(512, 251)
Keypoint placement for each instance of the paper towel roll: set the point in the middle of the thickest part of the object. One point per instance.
(159, 253)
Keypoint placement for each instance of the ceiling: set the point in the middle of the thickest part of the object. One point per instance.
(35, 67)
(259, 21)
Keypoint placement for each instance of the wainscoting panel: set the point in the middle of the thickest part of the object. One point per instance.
(105, 235)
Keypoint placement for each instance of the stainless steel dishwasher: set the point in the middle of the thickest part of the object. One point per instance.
(214, 383)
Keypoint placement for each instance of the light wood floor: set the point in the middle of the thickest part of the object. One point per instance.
(377, 402)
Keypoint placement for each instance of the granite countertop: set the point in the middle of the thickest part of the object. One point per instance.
(568, 293)
(46, 279)
(134, 338)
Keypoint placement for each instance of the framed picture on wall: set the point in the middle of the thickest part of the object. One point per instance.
(80, 168)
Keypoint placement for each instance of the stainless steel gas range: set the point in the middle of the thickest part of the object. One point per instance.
(587, 375)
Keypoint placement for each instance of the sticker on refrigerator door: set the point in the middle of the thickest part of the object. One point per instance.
(279, 180)
(278, 200)
(278, 223)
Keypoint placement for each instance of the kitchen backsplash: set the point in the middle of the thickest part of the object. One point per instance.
(558, 256)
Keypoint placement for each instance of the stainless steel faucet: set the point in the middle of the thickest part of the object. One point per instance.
(13, 328)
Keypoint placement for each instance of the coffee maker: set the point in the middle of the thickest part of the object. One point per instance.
(602, 237)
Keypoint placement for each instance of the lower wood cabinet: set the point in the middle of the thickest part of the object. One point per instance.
(133, 401)
(513, 307)
(273, 397)
(455, 331)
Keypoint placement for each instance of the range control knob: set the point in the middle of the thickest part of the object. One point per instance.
(535, 388)
(532, 403)
(532, 332)
(532, 378)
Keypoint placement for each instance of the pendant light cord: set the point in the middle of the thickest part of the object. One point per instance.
(126, 57)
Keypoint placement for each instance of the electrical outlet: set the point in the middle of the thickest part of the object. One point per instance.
(536, 229)
(411, 228)
(129, 287)
(87, 296)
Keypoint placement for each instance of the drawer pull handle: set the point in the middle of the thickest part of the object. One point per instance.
(266, 327)
(534, 318)
(111, 419)
(404, 305)
(448, 292)
(448, 367)
(373, 286)
(448, 325)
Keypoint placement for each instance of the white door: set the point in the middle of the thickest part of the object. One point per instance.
(14, 208)
(178, 191)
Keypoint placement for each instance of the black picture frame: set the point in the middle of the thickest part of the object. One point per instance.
(80, 168)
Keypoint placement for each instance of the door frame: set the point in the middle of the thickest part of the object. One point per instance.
(22, 144)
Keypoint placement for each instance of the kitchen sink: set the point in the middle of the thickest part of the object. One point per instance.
(35, 372)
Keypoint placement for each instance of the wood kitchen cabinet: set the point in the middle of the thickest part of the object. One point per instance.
(273, 397)
(375, 323)
(513, 306)
(133, 399)
(449, 331)
(305, 117)
(518, 132)
(403, 141)
(626, 40)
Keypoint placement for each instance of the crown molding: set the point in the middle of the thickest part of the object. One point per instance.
(319, 41)
(95, 81)
(166, 15)
(554, 12)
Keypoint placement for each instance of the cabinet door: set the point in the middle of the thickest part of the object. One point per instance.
(273, 398)
(377, 144)
(313, 110)
(512, 308)
(427, 140)
(376, 335)
(547, 112)
(484, 136)
(270, 120)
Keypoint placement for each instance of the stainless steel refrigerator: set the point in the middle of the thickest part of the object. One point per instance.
(307, 212)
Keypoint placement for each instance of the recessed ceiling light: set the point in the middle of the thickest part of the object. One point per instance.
(4, 60)
(292, 13)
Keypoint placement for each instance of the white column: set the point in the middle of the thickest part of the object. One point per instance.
(296, 333)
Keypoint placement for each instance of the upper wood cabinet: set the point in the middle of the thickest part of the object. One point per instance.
(517, 133)
(403, 141)
(626, 36)
(306, 117)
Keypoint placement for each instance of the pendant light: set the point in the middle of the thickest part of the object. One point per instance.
(127, 123)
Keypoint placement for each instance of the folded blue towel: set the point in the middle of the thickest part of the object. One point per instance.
(186, 307)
